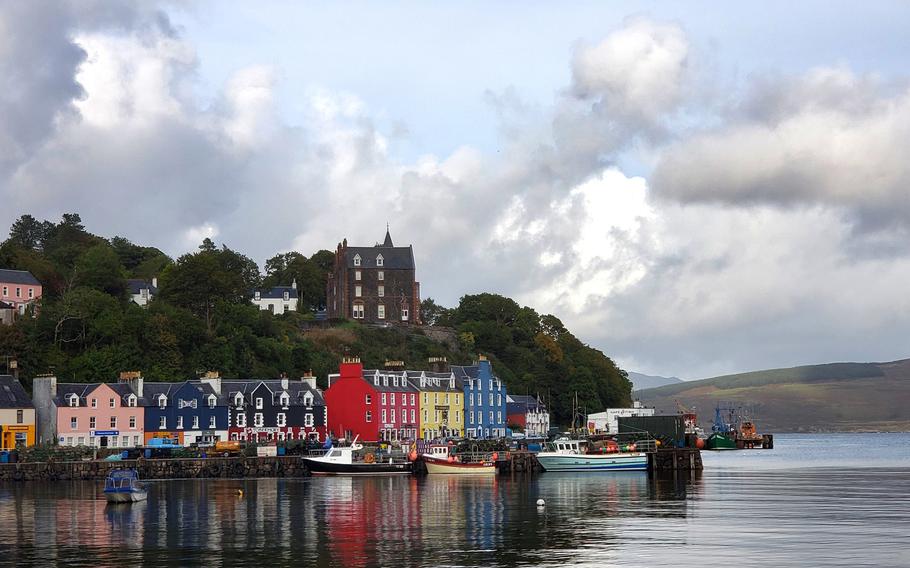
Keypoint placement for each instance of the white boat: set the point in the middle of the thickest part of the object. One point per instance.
(340, 461)
(439, 460)
(570, 455)
(122, 486)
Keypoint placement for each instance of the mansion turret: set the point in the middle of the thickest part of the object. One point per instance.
(374, 284)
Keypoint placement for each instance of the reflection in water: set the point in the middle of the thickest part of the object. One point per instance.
(749, 517)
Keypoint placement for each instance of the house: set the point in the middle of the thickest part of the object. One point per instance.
(528, 414)
(19, 289)
(374, 284)
(191, 412)
(17, 415)
(375, 405)
(281, 409)
(142, 291)
(278, 300)
(8, 313)
(82, 414)
(608, 421)
(441, 408)
(485, 400)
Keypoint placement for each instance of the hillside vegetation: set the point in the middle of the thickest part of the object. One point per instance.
(87, 329)
(812, 398)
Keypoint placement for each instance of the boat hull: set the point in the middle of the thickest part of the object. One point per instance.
(718, 442)
(125, 496)
(441, 466)
(593, 462)
(317, 467)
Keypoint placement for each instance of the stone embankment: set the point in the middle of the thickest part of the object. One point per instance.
(284, 466)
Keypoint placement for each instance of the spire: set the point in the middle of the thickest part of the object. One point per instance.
(388, 237)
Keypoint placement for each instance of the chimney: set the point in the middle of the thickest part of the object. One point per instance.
(134, 380)
(44, 390)
(155, 281)
(394, 365)
(213, 379)
(309, 379)
(438, 364)
(284, 381)
(294, 284)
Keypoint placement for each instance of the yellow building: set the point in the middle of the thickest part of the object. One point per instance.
(441, 404)
(17, 415)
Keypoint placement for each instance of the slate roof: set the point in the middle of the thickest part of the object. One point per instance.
(403, 385)
(522, 402)
(8, 276)
(392, 257)
(465, 371)
(5, 306)
(277, 293)
(296, 390)
(136, 285)
(82, 390)
(12, 395)
(443, 386)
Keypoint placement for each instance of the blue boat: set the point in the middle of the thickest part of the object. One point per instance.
(122, 486)
(569, 455)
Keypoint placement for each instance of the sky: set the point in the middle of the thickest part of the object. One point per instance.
(694, 191)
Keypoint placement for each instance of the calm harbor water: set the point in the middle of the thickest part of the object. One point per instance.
(815, 500)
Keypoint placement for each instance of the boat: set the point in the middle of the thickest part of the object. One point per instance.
(723, 434)
(341, 461)
(122, 486)
(572, 455)
(440, 460)
(718, 441)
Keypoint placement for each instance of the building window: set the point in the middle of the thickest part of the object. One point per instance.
(31, 293)
(356, 260)
(412, 415)
(480, 417)
(357, 275)
(491, 400)
(358, 310)
(19, 417)
(384, 416)
(358, 291)
(404, 313)
(5, 291)
(74, 400)
(491, 416)
(287, 308)
(258, 420)
(457, 416)
(381, 291)
(369, 399)
(212, 401)
(94, 403)
(162, 423)
(498, 400)
(381, 312)
(380, 275)
(471, 416)
(113, 421)
(392, 399)
(195, 422)
(238, 400)
(18, 292)
(425, 399)
(241, 420)
(380, 261)
(426, 416)
(132, 422)
(285, 400)
(447, 398)
(369, 416)
(74, 423)
(308, 420)
(499, 416)
(282, 419)
(383, 399)
(180, 422)
(257, 296)
(412, 401)
(258, 403)
(162, 402)
(111, 403)
(212, 422)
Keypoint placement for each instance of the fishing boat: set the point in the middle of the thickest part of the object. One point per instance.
(572, 455)
(122, 486)
(438, 460)
(347, 461)
(723, 433)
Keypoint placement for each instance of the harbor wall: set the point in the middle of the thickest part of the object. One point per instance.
(232, 467)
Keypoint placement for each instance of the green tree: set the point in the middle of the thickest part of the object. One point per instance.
(99, 268)
(29, 233)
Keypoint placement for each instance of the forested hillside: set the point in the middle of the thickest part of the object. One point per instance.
(87, 329)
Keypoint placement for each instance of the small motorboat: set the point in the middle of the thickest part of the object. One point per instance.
(571, 455)
(438, 459)
(122, 486)
(341, 461)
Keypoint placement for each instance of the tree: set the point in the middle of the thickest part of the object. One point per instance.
(432, 313)
(100, 269)
(29, 233)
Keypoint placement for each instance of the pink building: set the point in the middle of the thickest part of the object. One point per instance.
(98, 415)
(18, 288)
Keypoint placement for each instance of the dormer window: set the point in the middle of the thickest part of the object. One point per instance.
(284, 399)
(380, 260)
(287, 295)
(257, 296)
(212, 401)
(162, 401)
(238, 400)
(73, 400)
(356, 260)
(131, 400)
(258, 403)
(308, 399)
(376, 380)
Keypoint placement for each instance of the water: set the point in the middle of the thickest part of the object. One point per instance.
(825, 500)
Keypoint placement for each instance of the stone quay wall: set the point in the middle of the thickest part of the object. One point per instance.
(232, 467)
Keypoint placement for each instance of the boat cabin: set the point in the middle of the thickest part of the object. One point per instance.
(567, 446)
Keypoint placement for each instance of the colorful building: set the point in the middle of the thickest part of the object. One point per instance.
(374, 405)
(191, 412)
(282, 409)
(441, 404)
(19, 289)
(80, 414)
(485, 400)
(528, 414)
(17, 415)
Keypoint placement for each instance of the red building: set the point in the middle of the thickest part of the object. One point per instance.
(374, 405)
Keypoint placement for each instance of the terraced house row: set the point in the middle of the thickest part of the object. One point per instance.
(391, 404)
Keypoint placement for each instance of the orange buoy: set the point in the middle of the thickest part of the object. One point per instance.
(413, 456)
(450, 459)
(495, 456)
(700, 443)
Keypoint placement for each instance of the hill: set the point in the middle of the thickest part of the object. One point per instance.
(814, 398)
(641, 381)
(87, 329)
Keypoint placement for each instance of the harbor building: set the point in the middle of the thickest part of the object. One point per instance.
(88, 414)
(278, 299)
(190, 412)
(275, 410)
(441, 404)
(485, 399)
(17, 415)
(606, 422)
(529, 415)
(374, 284)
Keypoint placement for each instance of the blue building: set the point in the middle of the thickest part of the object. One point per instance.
(484, 400)
(190, 412)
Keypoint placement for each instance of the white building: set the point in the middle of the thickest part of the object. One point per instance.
(142, 291)
(278, 300)
(607, 422)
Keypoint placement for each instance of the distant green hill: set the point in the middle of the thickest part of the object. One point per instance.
(812, 398)
(642, 381)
